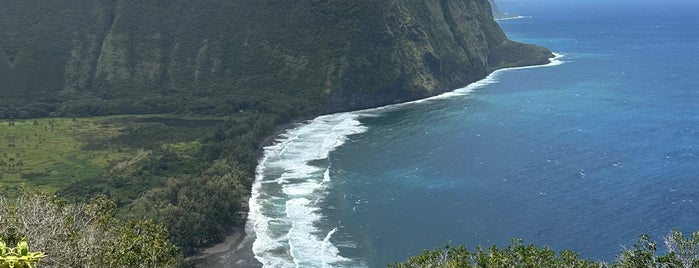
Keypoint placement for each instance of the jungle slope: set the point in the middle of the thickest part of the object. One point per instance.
(215, 57)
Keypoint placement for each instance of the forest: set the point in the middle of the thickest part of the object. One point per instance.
(191, 174)
(680, 251)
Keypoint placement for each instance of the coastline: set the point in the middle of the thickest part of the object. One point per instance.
(236, 249)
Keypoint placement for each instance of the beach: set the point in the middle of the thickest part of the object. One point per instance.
(235, 251)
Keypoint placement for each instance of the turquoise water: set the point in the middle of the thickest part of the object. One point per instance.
(585, 155)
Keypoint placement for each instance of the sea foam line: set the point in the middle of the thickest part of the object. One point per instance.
(283, 206)
(490, 79)
(283, 214)
(514, 18)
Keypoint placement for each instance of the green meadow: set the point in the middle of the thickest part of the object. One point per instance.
(51, 153)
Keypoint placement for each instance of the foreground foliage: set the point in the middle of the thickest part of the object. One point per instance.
(681, 252)
(83, 235)
(514, 255)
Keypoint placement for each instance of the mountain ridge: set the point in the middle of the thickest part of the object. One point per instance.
(134, 57)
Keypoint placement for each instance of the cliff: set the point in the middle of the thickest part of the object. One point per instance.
(95, 57)
(408, 50)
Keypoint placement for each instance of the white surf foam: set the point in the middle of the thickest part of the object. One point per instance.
(326, 175)
(490, 79)
(514, 18)
(295, 240)
(283, 220)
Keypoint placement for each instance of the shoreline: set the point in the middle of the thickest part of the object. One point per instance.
(236, 249)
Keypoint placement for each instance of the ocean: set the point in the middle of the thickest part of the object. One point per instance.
(584, 154)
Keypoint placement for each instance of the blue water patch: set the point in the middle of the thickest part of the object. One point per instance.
(586, 155)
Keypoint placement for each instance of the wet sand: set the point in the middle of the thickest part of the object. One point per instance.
(234, 252)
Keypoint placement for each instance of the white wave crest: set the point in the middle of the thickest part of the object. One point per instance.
(326, 175)
(514, 18)
(284, 214)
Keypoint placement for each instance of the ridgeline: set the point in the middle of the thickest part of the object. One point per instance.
(214, 57)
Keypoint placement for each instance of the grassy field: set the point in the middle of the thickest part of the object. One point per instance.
(49, 153)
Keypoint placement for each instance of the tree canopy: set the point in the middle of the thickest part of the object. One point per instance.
(682, 251)
(81, 235)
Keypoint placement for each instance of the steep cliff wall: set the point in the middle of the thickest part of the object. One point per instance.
(407, 50)
(89, 57)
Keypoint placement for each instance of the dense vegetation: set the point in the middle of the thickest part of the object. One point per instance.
(83, 235)
(214, 57)
(681, 252)
(223, 76)
(192, 175)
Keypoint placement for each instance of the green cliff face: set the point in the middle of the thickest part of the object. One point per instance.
(407, 50)
(96, 57)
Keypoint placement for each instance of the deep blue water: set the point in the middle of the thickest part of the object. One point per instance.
(586, 155)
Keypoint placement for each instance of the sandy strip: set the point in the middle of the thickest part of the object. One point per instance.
(235, 251)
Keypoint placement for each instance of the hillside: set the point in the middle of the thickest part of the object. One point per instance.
(98, 57)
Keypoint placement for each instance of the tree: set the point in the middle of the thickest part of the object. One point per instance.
(641, 254)
(198, 210)
(684, 249)
(85, 235)
(682, 252)
(516, 254)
